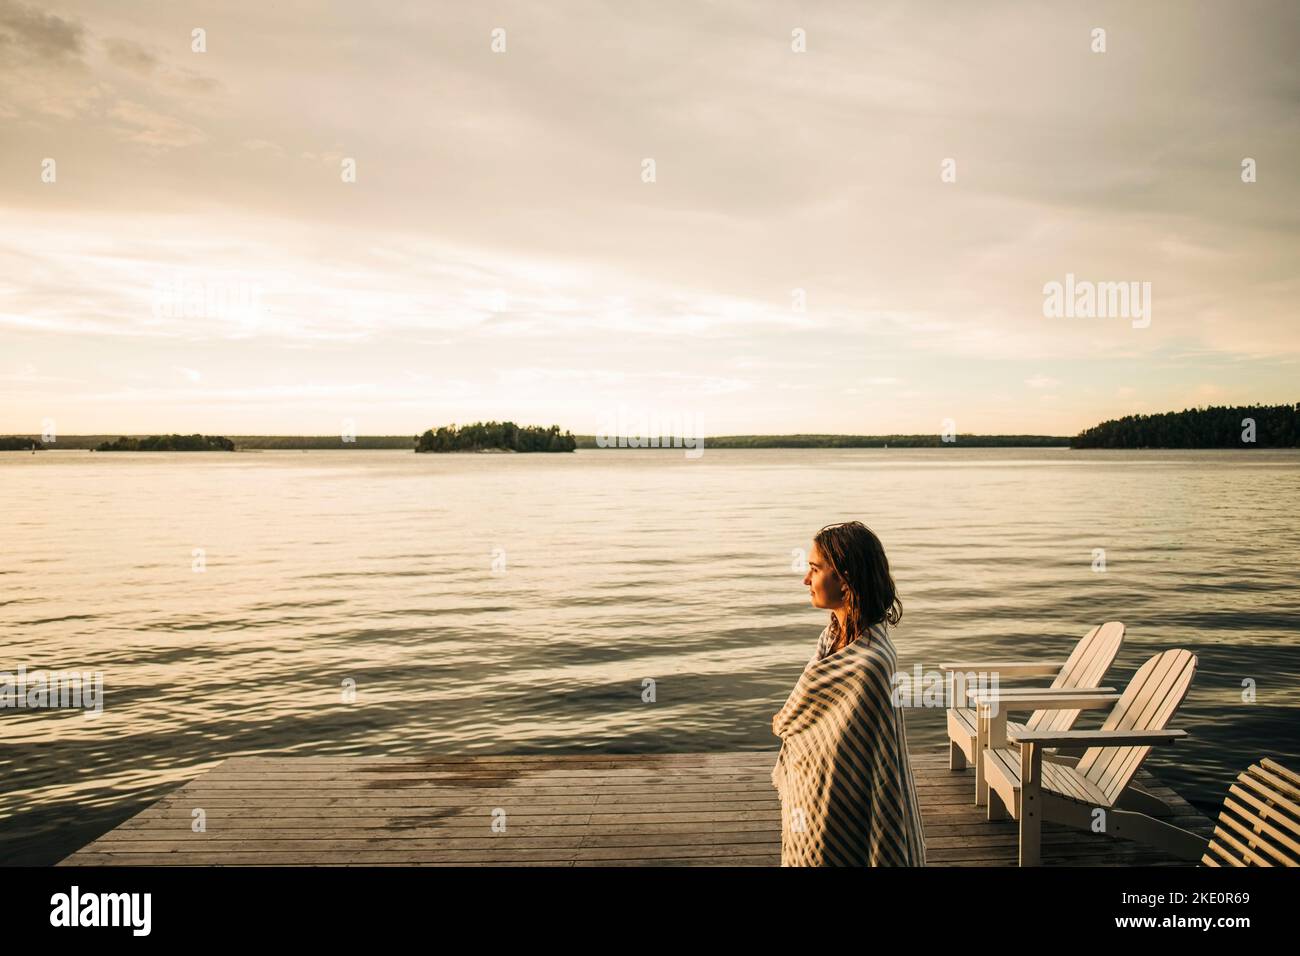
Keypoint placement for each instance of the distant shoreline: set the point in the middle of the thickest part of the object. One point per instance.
(1223, 427)
(403, 442)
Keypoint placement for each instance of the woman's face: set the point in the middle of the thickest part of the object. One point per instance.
(823, 583)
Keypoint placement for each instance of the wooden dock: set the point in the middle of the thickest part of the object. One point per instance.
(716, 809)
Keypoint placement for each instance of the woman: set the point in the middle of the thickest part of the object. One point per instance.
(847, 793)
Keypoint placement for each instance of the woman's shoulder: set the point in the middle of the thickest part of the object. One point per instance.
(823, 643)
(875, 643)
(878, 644)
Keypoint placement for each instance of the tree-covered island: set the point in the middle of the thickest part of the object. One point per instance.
(495, 436)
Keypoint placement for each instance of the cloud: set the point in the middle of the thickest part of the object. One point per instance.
(130, 56)
(44, 73)
(151, 128)
(28, 375)
(191, 81)
(263, 145)
(55, 69)
(29, 32)
(499, 222)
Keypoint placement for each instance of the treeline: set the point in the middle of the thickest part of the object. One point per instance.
(242, 442)
(317, 442)
(169, 443)
(19, 443)
(1228, 426)
(313, 442)
(502, 436)
(856, 441)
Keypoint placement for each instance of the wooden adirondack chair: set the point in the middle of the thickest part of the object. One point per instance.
(1261, 827)
(1031, 791)
(1082, 671)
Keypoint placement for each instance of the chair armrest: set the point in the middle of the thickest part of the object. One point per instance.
(1020, 694)
(1096, 738)
(1054, 701)
(1007, 668)
(1009, 692)
(1011, 695)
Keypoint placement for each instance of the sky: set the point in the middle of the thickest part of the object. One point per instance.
(851, 218)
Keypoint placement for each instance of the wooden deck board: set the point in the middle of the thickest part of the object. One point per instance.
(570, 810)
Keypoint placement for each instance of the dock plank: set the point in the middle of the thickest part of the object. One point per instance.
(558, 810)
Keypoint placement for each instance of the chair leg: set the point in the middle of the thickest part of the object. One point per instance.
(1031, 829)
(956, 758)
(1031, 799)
(997, 809)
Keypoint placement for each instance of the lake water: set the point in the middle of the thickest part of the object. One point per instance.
(516, 603)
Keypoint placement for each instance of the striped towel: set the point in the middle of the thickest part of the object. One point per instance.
(848, 797)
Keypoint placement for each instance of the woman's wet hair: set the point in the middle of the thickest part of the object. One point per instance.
(859, 559)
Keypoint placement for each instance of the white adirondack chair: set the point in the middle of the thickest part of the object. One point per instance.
(1082, 671)
(1031, 791)
(1261, 827)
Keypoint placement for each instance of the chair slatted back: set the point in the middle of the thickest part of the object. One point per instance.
(1149, 702)
(1085, 667)
(1260, 821)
